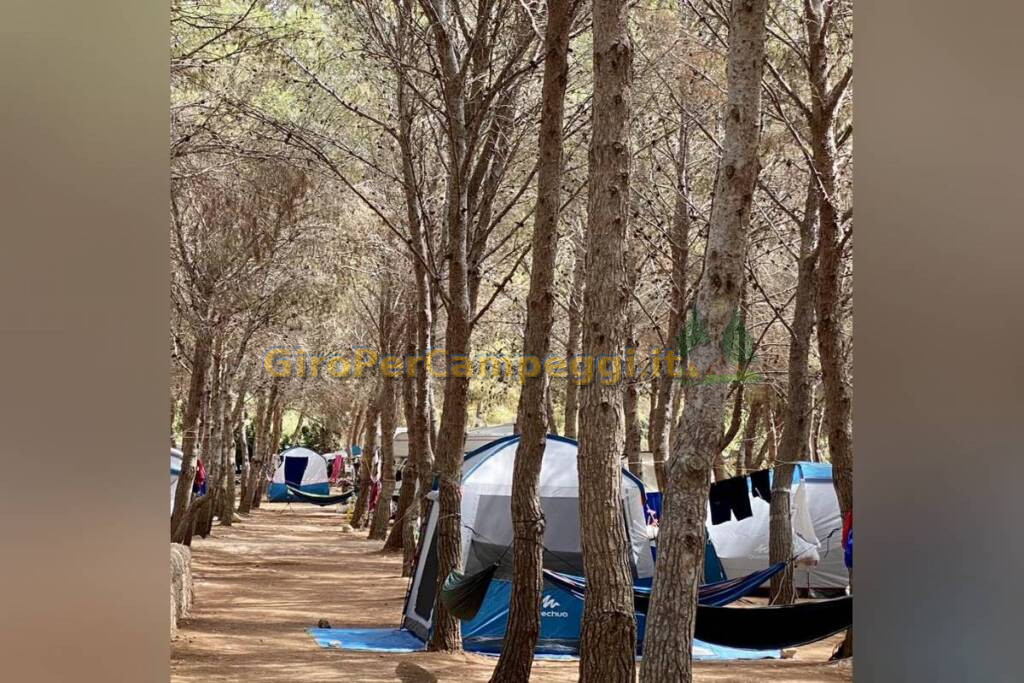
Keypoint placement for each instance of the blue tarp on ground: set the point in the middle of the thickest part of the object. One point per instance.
(396, 640)
(367, 639)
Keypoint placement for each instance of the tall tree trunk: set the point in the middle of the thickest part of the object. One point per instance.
(630, 400)
(669, 639)
(419, 424)
(361, 511)
(680, 239)
(608, 631)
(534, 411)
(824, 101)
(227, 517)
(572, 344)
(795, 422)
(401, 535)
(190, 426)
(252, 470)
(214, 454)
(382, 515)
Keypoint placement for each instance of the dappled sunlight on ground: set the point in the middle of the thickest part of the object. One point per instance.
(261, 583)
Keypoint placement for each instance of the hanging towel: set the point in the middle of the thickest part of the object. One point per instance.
(761, 483)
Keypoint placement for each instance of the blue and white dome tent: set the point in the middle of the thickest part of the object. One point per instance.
(487, 536)
(302, 469)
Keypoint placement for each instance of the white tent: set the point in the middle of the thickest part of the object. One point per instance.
(401, 445)
(487, 521)
(299, 468)
(175, 473)
(742, 545)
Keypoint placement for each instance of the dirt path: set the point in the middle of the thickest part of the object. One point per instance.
(260, 584)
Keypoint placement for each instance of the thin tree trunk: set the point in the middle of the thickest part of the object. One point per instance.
(253, 469)
(795, 422)
(446, 635)
(824, 101)
(750, 434)
(237, 422)
(608, 631)
(361, 512)
(401, 535)
(382, 515)
(214, 454)
(572, 344)
(669, 638)
(630, 399)
(534, 411)
(189, 428)
(664, 401)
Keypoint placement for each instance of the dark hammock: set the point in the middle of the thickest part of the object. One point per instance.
(463, 595)
(715, 594)
(773, 627)
(319, 498)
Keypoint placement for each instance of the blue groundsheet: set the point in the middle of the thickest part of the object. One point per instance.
(400, 640)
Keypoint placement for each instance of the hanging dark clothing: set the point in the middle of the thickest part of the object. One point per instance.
(739, 497)
(761, 483)
(720, 509)
(729, 497)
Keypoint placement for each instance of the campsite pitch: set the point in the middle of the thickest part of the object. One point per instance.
(260, 585)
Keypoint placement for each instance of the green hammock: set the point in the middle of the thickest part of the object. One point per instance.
(463, 595)
(319, 498)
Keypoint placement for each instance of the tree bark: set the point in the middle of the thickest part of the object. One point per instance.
(572, 344)
(669, 638)
(402, 534)
(680, 239)
(534, 411)
(214, 453)
(824, 101)
(608, 631)
(189, 427)
(227, 517)
(381, 516)
(360, 512)
(795, 424)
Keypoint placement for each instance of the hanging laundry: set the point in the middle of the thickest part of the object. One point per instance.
(721, 510)
(739, 497)
(761, 483)
(729, 497)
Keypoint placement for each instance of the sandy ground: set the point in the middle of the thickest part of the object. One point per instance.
(260, 584)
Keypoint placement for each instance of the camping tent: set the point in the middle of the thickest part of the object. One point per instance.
(175, 473)
(487, 538)
(742, 546)
(300, 468)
